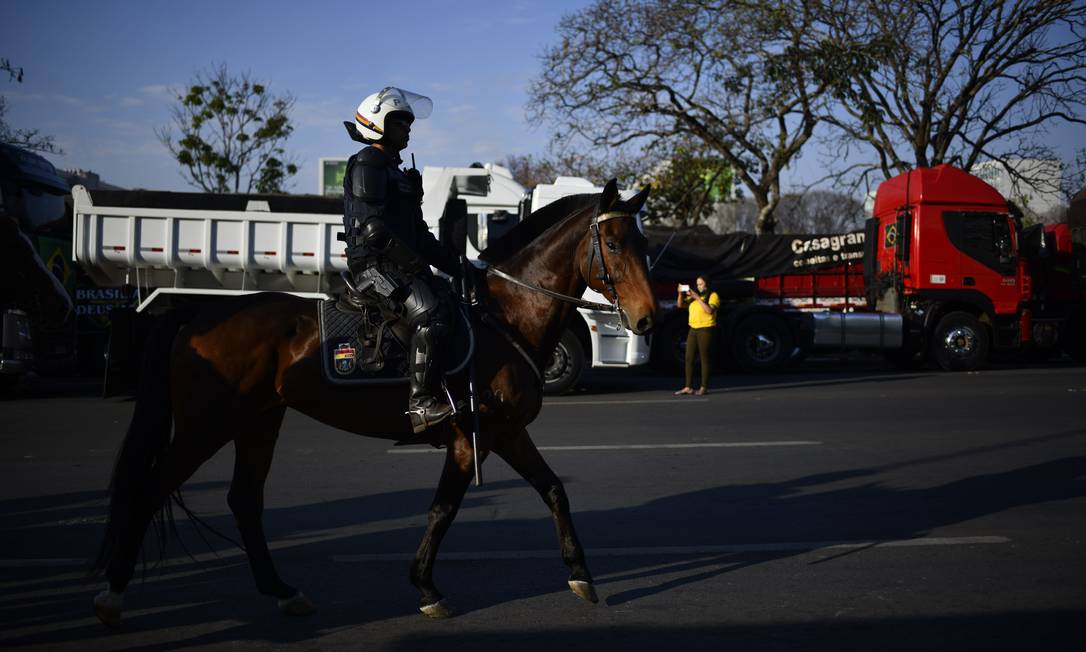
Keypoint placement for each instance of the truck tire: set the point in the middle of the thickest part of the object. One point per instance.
(959, 342)
(761, 343)
(564, 365)
(669, 346)
(1073, 338)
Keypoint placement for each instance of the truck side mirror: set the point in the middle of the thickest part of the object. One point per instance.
(472, 185)
(1003, 246)
(1005, 253)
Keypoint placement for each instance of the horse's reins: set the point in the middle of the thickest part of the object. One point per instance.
(595, 252)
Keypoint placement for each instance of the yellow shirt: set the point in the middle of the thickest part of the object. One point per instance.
(698, 317)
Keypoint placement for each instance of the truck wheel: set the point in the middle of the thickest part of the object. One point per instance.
(960, 342)
(762, 343)
(1077, 350)
(669, 347)
(564, 366)
(1073, 338)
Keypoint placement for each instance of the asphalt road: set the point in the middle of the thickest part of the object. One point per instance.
(841, 506)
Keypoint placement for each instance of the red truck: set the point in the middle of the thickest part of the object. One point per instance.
(944, 271)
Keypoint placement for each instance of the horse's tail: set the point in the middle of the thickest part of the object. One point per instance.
(147, 438)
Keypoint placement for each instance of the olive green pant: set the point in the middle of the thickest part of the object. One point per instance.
(698, 343)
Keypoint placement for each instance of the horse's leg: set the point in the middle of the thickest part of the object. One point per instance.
(252, 460)
(185, 454)
(521, 454)
(455, 478)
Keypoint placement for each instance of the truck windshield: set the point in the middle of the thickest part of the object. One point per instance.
(984, 237)
(42, 209)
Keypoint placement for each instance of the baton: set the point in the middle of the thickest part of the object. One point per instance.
(466, 300)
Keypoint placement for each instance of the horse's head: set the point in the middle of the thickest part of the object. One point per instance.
(614, 258)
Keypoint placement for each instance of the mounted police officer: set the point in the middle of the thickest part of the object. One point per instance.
(389, 247)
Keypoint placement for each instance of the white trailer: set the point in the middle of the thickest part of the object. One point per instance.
(197, 253)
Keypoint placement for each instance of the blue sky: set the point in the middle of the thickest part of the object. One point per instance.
(98, 75)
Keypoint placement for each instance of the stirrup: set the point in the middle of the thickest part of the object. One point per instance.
(419, 424)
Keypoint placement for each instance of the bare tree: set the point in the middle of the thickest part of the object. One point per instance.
(957, 81)
(29, 139)
(1074, 176)
(739, 78)
(531, 170)
(231, 129)
(820, 211)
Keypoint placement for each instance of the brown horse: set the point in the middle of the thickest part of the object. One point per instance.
(230, 372)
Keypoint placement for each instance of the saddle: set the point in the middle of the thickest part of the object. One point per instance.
(365, 342)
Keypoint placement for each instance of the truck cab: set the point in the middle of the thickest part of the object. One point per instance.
(948, 257)
(35, 308)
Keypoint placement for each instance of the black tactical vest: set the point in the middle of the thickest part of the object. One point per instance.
(397, 204)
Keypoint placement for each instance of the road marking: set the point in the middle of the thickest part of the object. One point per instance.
(676, 401)
(656, 551)
(649, 551)
(37, 563)
(636, 447)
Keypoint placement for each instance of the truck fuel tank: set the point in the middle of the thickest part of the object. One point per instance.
(857, 330)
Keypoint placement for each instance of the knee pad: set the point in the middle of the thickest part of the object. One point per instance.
(422, 306)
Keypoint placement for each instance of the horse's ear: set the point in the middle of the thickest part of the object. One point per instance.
(635, 203)
(609, 196)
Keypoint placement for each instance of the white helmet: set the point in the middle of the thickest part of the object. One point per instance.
(369, 118)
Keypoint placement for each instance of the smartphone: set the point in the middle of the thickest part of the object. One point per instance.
(684, 288)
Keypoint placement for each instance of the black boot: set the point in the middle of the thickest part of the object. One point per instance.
(424, 408)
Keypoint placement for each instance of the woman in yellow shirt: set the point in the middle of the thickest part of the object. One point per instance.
(702, 306)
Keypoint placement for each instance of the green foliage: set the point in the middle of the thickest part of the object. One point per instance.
(687, 187)
(231, 134)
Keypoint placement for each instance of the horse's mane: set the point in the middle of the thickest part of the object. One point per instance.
(521, 235)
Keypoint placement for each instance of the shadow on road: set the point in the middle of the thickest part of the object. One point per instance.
(823, 371)
(997, 631)
(215, 602)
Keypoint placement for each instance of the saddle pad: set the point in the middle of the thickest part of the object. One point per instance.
(343, 352)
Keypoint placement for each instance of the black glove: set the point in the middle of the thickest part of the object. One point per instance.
(414, 177)
(473, 277)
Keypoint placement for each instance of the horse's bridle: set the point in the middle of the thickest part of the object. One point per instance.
(594, 252)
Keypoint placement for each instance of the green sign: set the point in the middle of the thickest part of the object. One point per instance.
(332, 171)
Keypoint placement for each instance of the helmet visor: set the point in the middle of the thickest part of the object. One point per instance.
(421, 105)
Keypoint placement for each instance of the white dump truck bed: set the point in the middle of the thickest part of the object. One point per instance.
(247, 250)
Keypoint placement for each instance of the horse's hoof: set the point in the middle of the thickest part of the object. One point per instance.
(107, 606)
(584, 590)
(296, 605)
(439, 609)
